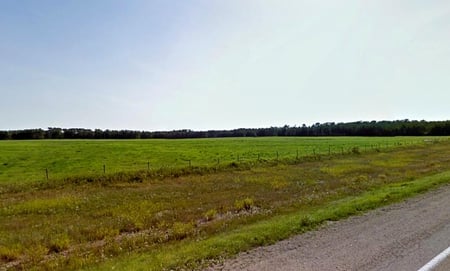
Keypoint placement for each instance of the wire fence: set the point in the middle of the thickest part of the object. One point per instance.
(183, 161)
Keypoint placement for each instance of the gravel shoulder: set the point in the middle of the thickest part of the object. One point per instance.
(403, 236)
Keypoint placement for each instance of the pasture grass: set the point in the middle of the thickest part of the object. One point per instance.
(164, 221)
(26, 161)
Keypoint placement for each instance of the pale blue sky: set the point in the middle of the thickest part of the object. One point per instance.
(221, 64)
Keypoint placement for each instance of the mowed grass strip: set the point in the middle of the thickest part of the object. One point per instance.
(26, 161)
(180, 221)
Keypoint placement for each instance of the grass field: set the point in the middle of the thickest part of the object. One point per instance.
(27, 161)
(165, 222)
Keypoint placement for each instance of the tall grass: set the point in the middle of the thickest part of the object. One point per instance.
(194, 255)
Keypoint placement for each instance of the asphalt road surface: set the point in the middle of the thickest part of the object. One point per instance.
(402, 236)
(443, 266)
(440, 263)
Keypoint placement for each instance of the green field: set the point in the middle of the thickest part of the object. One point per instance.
(27, 161)
(161, 222)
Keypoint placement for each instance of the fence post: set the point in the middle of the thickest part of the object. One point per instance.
(190, 164)
(46, 173)
(148, 165)
(104, 169)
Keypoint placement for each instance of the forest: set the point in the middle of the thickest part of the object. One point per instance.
(360, 128)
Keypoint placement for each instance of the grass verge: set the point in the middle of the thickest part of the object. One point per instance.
(195, 254)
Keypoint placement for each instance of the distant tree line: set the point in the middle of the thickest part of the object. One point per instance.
(360, 128)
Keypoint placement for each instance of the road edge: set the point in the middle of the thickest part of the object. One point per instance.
(436, 260)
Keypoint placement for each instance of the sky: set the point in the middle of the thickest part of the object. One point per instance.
(221, 64)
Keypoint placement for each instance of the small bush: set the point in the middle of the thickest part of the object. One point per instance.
(8, 254)
(36, 253)
(182, 230)
(306, 221)
(59, 243)
(104, 232)
(245, 204)
(210, 214)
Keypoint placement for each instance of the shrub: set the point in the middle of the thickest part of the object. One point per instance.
(182, 230)
(245, 204)
(306, 221)
(105, 232)
(8, 254)
(59, 243)
(210, 214)
(36, 253)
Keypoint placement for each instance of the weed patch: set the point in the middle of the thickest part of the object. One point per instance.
(210, 214)
(182, 230)
(244, 204)
(58, 243)
(8, 254)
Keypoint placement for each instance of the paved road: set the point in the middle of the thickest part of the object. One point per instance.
(439, 263)
(403, 236)
(443, 266)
